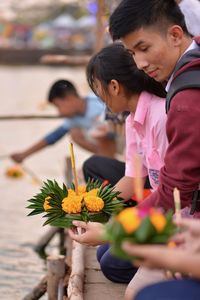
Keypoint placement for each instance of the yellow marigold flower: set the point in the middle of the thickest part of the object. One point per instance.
(15, 171)
(158, 220)
(129, 219)
(72, 205)
(46, 204)
(93, 192)
(93, 203)
(71, 193)
(81, 189)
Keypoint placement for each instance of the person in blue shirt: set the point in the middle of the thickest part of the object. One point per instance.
(82, 114)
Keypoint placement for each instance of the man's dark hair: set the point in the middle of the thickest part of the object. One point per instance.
(61, 89)
(115, 62)
(132, 15)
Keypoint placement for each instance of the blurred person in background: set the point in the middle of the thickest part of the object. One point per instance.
(82, 115)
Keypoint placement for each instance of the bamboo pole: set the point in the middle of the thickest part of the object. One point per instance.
(29, 117)
(76, 279)
(70, 60)
(38, 291)
(45, 239)
(55, 275)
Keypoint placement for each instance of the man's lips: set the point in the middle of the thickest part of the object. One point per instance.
(153, 73)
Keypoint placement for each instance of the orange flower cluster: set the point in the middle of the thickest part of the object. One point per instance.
(15, 172)
(131, 218)
(73, 203)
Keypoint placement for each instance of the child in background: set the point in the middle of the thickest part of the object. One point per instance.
(81, 114)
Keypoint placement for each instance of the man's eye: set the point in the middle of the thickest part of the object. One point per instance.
(144, 49)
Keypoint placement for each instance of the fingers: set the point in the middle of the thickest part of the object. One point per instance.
(191, 224)
(80, 224)
(17, 157)
(179, 238)
(77, 234)
(74, 236)
(135, 250)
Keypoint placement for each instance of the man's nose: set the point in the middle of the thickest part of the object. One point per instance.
(141, 62)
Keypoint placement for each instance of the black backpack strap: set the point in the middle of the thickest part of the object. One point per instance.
(189, 79)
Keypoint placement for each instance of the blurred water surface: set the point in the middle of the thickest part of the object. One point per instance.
(23, 90)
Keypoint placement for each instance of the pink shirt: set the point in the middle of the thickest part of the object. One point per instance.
(146, 136)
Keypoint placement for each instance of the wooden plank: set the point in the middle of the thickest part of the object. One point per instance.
(96, 286)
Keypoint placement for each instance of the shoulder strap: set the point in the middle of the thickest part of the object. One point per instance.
(190, 79)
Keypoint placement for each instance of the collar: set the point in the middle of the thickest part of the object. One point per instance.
(142, 108)
(192, 46)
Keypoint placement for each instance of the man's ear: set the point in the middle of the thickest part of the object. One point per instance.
(176, 34)
(114, 87)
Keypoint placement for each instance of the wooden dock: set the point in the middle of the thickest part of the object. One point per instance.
(96, 286)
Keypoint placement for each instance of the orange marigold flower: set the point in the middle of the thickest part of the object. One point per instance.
(15, 172)
(72, 204)
(93, 192)
(71, 193)
(46, 204)
(158, 220)
(129, 219)
(81, 189)
(94, 204)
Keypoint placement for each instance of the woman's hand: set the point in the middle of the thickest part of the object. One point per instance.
(87, 233)
(189, 237)
(162, 257)
(155, 256)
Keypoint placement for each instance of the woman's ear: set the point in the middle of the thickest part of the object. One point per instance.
(114, 87)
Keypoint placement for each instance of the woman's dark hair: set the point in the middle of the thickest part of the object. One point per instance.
(61, 89)
(115, 62)
(131, 15)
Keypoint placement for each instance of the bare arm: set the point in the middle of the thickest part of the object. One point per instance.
(79, 138)
(20, 156)
(125, 186)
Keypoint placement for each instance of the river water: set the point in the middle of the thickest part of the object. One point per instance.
(23, 91)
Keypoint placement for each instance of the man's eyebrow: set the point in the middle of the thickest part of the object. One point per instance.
(137, 44)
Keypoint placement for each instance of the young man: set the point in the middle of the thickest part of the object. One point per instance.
(155, 33)
(81, 115)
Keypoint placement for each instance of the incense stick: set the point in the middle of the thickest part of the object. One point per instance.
(177, 204)
(137, 180)
(32, 174)
(74, 168)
